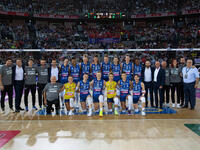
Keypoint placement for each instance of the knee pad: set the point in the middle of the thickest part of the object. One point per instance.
(142, 99)
(89, 100)
(116, 101)
(71, 102)
(101, 98)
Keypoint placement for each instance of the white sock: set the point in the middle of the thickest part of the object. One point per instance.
(101, 109)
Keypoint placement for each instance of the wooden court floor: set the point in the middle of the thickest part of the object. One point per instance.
(152, 132)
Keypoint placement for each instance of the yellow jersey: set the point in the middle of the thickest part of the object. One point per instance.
(111, 89)
(69, 90)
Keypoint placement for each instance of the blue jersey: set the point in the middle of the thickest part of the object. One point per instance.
(105, 70)
(116, 72)
(97, 87)
(124, 87)
(75, 71)
(95, 69)
(64, 74)
(137, 89)
(127, 68)
(84, 88)
(137, 70)
(85, 68)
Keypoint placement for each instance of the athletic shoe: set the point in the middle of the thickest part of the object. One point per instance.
(178, 106)
(129, 112)
(89, 113)
(40, 108)
(12, 110)
(116, 112)
(3, 111)
(136, 110)
(34, 107)
(143, 113)
(101, 113)
(26, 108)
(71, 113)
(173, 105)
(167, 105)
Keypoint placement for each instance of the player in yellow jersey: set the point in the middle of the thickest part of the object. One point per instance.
(70, 88)
(111, 88)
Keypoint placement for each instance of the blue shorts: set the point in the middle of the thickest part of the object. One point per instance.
(64, 81)
(136, 99)
(123, 98)
(116, 79)
(83, 97)
(110, 100)
(76, 81)
(66, 100)
(96, 98)
(105, 78)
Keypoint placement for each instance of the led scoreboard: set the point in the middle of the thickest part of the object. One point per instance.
(105, 15)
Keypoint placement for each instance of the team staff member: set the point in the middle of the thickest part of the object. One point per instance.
(147, 79)
(158, 83)
(190, 82)
(6, 84)
(18, 80)
(182, 64)
(51, 95)
(166, 86)
(53, 70)
(30, 83)
(42, 72)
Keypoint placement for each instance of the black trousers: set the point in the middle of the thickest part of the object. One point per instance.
(50, 103)
(19, 86)
(40, 91)
(149, 87)
(166, 89)
(28, 88)
(175, 86)
(9, 90)
(156, 89)
(182, 93)
(190, 94)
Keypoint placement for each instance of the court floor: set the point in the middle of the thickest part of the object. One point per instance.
(29, 131)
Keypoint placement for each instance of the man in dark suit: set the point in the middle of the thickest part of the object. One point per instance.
(147, 79)
(18, 80)
(158, 83)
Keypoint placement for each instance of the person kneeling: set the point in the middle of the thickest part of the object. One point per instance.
(51, 95)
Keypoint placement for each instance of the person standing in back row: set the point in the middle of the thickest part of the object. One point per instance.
(175, 81)
(42, 71)
(6, 84)
(30, 83)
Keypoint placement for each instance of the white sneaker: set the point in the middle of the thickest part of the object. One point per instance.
(178, 106)
(143, 113)
(71, 113)
(136, 110)
(12, 110)
(167, 105)
(3, 112)
(173, 105)
(89, 113)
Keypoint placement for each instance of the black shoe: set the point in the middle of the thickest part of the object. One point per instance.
(185, 106)
(182, 105)
(17, 111)
(192, 108)
(21, 109)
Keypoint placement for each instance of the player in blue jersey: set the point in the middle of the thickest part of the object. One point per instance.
(127, 67)
(115, 68)
(75, 70)
(137, 68)
(84, 88)
(64, 73)
(85, 67)
(105, 67)
(138, 95)
(98, 86)
(95, 67)
(124, 89)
